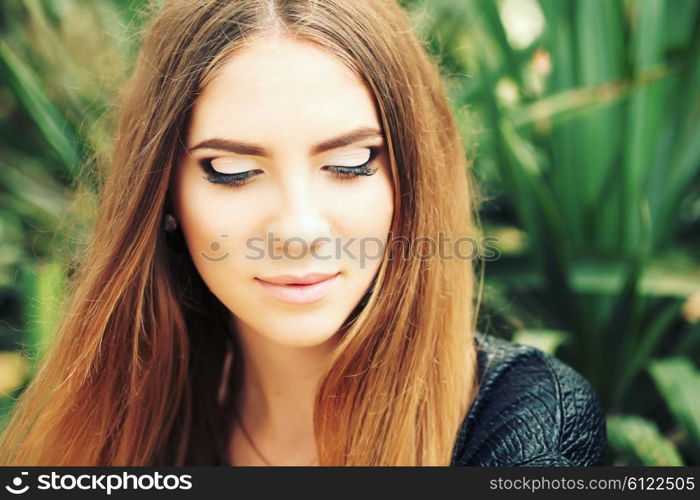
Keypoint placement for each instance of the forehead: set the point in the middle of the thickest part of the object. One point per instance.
(282, 87)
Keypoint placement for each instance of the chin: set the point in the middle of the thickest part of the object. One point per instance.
(301, 338)
(310, 325)
(299, 330)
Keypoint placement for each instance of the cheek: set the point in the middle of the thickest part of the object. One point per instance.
(214, 222)
(364, 213)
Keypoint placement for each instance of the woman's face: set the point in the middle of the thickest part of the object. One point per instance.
(269, 187)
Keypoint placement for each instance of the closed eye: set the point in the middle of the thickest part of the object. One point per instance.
(232, 180)
(237, 179)
(350, 173)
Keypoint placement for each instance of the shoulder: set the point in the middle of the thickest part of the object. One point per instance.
(531, 409)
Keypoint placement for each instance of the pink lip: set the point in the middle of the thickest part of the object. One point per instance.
(292, 279)
(299, 289)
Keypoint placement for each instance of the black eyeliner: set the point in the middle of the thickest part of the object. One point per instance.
(363, 169)
(218, 178)
(237, 179)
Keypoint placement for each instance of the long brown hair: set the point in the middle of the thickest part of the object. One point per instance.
(138, 373)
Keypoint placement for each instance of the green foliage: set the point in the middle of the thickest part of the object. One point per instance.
(639, 442)
(61, 63)
(678, 382)
(582, 119)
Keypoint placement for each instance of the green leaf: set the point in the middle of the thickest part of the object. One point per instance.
(678, 382)
(43, 285)
(545, 340)
(637, 441)
(47, 118)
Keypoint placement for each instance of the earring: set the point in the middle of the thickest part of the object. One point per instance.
(170, 223)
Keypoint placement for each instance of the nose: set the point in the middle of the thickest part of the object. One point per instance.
(300, 226)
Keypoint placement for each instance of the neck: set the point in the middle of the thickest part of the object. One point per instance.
(277, 392)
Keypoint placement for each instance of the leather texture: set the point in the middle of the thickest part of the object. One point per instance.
(531, 410)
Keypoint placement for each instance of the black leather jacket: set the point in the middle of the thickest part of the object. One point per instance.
(531, 410)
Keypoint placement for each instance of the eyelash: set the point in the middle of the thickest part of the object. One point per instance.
(340, 172)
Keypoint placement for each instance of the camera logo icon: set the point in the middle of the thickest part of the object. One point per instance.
(215, 246)
(17, 483)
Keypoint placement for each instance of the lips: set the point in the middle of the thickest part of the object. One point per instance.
(300, 289)
(291, 279)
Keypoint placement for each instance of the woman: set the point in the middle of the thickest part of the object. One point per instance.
(244, 300)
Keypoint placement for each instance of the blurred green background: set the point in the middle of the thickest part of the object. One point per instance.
(581, 118)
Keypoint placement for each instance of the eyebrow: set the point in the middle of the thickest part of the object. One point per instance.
(243, 148)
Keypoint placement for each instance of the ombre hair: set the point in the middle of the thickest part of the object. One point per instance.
(142, 367)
